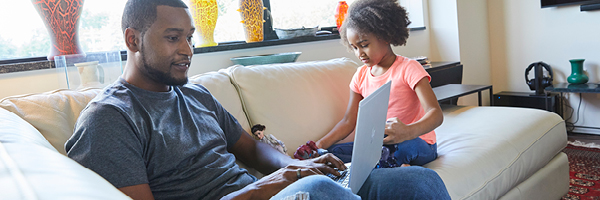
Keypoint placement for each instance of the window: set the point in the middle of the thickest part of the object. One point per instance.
(311, 13)
(99, 29)
(229, 25)
(25, 37)
(100, 23)
(308, 13)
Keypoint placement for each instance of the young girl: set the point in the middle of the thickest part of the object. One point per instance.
(369, 30)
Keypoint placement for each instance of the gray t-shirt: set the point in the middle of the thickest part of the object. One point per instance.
(175, 141)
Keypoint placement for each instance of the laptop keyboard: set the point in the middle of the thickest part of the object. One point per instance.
(343, 179)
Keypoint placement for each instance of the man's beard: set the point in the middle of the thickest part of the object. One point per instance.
(159, 76)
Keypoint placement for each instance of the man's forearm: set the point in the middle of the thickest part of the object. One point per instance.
(269, 159)
(245, 193)
(259, 156)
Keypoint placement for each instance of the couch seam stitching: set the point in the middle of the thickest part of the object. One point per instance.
(512, 163)
(231, 76)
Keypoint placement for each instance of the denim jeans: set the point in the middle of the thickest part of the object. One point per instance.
(318, 187)
(384, 183)
(342, 151)
(413, 152)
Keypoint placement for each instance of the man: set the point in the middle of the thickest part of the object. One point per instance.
(152, 135)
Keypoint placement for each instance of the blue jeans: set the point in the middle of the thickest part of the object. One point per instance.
(385, 183)
(318, 187)
(342, 151)
(413, 152)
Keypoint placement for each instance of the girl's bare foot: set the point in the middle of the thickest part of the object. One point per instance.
(405, 165)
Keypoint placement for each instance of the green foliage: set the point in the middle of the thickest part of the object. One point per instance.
(38, 45)
(7, 49)
(93, 21)
(222, 7)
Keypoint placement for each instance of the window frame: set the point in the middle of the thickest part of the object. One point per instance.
(270, 39)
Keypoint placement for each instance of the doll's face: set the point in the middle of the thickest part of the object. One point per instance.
(259, 134)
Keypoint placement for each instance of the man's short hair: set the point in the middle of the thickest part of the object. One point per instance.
(141, 14)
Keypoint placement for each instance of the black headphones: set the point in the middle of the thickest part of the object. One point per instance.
(546, 81)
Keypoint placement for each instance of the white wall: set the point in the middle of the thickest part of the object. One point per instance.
(35, 81)
(443, 27)
(522, 33)
(473, 36)
(474, 41)
(459, 32)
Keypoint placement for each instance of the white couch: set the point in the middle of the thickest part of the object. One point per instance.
(484, 152)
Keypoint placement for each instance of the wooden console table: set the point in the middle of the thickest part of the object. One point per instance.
(453, 91)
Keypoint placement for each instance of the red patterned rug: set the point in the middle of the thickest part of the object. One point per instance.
(584, 171)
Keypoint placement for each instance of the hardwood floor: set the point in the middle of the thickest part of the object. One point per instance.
(587, 138)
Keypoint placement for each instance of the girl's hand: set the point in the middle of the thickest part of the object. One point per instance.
(396, 131)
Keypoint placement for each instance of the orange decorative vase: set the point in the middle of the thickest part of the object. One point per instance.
(61, 18)
(205, 13)
(340, 13)
(252, 12)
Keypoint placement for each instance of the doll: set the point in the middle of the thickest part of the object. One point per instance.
(258, 132)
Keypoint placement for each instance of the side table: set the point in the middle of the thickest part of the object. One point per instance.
(572, 88)
(453, 91)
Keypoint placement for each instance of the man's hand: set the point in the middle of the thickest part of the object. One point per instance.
(270, 185)
(278, 180)
(325, 164)
(396, 131)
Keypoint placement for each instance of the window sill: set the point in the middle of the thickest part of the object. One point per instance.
(243, 45)
(37, 63)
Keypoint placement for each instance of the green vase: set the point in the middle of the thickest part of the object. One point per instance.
(577, 76)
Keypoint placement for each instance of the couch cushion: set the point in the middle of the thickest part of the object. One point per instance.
(13, 129)
(52, 113)
(295, 101)
(486, 151)
(31, 171)
(30, 168)
(219, 85)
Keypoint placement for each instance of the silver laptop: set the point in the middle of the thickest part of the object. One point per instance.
(368, 138)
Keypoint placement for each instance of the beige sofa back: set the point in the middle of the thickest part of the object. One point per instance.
(220, 86)
(296, 101)
(53, 113)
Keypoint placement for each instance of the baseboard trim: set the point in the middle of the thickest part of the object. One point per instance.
(586, 130)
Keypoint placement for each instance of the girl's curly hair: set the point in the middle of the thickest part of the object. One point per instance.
(386, 19)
